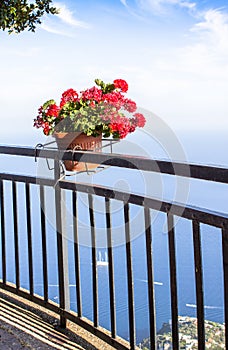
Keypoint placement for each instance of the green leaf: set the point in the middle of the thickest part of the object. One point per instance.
(99, 82)
(48, 103)
(18, 15)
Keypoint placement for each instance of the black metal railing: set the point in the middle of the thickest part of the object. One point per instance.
(197, 217)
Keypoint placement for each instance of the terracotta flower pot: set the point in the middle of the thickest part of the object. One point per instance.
(78, 141)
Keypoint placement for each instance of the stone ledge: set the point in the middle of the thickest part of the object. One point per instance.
(24, 324)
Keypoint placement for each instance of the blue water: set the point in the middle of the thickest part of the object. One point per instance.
(211, 196)
(213, 280)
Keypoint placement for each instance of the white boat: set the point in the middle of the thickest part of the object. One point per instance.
(102, 260)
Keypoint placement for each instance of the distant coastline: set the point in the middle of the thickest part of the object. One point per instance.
(214, 335)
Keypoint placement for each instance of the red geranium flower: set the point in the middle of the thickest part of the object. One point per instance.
(68, 95)
(121, 84)
(94, 111)
(120, 125)
(52, 111)
(46, 128)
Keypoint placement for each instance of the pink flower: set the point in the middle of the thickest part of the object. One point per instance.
(121, 84)
(114, 98)
(130, 105)
(92, 94)
(140, 120)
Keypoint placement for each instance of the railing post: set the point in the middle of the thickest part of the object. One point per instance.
(199, 284)
(62, 247)
(3, 236)
(225, 276)
(173, 280)
(130, 281)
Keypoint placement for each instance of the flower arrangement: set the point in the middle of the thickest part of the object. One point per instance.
(102, 110)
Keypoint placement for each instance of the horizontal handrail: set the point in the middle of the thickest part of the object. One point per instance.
(204, 215)
(195, 171)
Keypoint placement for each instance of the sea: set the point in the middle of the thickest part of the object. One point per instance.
(198, 149)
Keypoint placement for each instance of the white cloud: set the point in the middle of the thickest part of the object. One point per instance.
(52, 29)
(156, 7)
(198, 72)
(133, 11)
(207, 57)
(63, 22)
(124, 2)
(160, 6)
(186, 85)
(187, 4)
(214, 29)
(67, 16)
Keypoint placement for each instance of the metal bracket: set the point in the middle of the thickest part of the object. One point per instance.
(109, 143)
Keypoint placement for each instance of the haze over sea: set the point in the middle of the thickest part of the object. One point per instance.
(173, 54)
(205, 149)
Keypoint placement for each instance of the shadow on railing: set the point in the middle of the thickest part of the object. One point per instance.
(63, 197)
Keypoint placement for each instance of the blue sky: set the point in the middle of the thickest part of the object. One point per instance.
(172, 53)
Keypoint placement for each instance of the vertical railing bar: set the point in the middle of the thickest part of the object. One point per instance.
(44, 243)
(3, 232)
(76, 255)
(94, 262)
(29, 237)
(130, 282)
(225, 274)
(16, 242)
(199, 285)
(58, 214)
(173, 281)
(110, 269)
(150, 276)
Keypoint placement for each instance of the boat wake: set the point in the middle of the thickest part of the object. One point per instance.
(155, 282)
(205, 307)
